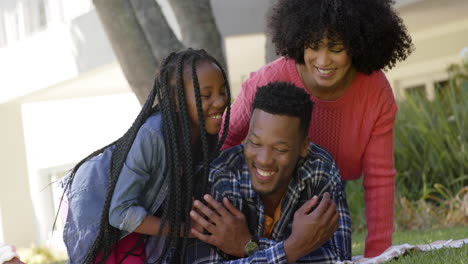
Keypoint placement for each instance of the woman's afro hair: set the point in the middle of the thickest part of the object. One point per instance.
(370, 30)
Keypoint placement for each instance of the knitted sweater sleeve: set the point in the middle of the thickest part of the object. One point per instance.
(379, 176)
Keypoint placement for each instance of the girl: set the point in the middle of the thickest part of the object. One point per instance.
(336, 50)
(142, 185)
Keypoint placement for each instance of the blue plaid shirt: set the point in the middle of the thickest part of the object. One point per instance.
(317, 173)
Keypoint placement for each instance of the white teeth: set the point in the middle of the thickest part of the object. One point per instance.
(324, 71)
(265, 173)
(216, 116)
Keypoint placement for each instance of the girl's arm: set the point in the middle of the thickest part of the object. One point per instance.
(150, 226)
(141, 185)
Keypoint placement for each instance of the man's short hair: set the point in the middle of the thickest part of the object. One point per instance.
(281, 98)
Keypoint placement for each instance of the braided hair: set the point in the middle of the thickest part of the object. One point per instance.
(180, 161)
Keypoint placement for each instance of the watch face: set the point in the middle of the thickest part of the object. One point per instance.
(251, 247)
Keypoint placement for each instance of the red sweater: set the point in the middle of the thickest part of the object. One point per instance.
(357, 129)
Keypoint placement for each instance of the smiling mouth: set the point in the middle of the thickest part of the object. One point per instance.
(325, 71)
(216, 116)
(264, 175)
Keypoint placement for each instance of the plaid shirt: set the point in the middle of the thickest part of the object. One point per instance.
(317, 173)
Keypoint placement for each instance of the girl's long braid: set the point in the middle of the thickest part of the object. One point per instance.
(109, 235)
(207, 157)
(169, 138)
(175, 190)
(186, 150)
(228, 108)
(72, 176)
(180, 162)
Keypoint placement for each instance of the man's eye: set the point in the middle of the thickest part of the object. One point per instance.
(281, 150)
(253, 143)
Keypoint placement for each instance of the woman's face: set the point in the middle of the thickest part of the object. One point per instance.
(328, 64)
(212, 93)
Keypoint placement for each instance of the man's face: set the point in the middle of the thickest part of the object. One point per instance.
(273, 147)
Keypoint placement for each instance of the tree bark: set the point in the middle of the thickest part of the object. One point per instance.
(129, 43)
(198, 26)
(141, 37)
(157, 31)
(270, 53)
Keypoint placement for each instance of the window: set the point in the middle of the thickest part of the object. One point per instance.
(417, 90)
(36, 15)
(3, 40)
(440, 86)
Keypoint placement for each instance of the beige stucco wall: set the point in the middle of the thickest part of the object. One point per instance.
(436, 48)
(244, 54)
(17, 215)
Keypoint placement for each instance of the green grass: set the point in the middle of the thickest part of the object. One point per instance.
(455, 256)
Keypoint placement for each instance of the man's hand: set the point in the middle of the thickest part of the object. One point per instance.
(311, 229)
(228, 228)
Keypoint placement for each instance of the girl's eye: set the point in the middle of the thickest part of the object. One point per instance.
(205, 95)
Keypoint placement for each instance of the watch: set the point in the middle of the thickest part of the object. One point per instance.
(251, 247)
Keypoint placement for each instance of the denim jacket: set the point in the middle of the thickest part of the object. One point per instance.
(140, 190)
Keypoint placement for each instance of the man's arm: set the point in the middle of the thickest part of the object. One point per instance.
(339, 245)
(310, 230)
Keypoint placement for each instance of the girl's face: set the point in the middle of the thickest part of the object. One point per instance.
(328, 65)
(213, 96)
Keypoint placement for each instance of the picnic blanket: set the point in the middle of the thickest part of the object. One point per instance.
(399, 250)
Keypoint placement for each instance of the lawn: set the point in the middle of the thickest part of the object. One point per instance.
(455, 256)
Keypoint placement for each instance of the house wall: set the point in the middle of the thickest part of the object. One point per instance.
(439, 30)
(16, 213)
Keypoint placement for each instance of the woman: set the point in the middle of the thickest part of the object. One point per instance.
(336, 50)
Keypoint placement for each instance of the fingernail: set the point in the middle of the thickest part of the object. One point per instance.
(315, 197)
(196, 203)
(192, 213)
(206, 196)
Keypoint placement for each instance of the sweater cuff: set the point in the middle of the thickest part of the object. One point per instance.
(376, 249)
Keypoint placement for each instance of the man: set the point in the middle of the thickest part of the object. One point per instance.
(274, 181)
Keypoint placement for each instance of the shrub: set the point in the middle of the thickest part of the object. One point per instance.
(431, 139)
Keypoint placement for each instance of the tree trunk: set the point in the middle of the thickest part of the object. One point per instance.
(129, 44)
(270, 53)
(198, 26)
(141, 37)
(157, 31)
